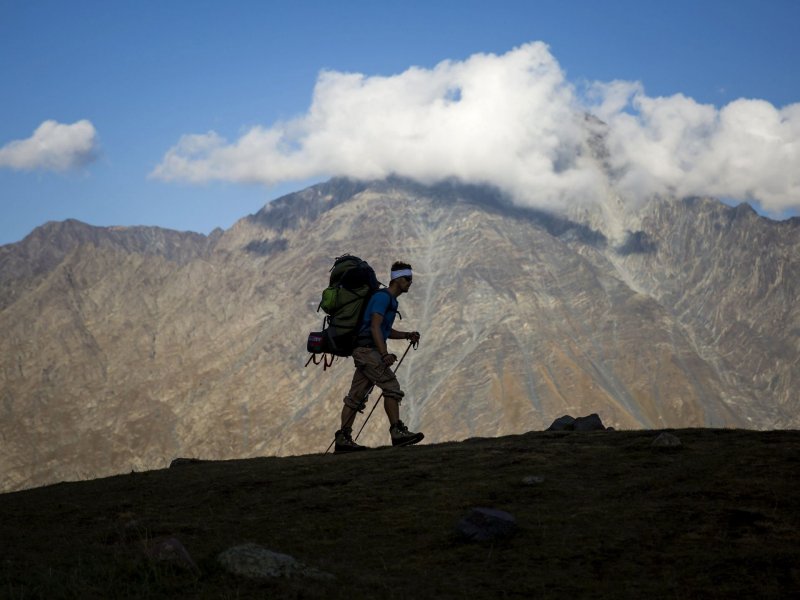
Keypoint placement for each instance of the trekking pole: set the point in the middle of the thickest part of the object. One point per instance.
(400, 362)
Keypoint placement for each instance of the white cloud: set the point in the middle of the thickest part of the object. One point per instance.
(515, 121)
(53, 147)
(748, 149)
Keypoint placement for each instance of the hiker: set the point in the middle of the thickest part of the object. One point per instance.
(373, 363)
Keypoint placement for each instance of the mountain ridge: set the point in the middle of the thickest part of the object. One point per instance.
(120, 358)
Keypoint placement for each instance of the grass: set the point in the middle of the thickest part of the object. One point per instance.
(614, 518)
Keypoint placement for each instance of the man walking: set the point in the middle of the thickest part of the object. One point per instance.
(373, 363)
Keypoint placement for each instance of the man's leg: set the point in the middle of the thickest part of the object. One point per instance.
(371, 366)
(392, 408)
(375, 370)
(354, 402)
(348, 417)
(356, 398)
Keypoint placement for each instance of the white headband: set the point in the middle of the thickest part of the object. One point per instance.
(400, 273)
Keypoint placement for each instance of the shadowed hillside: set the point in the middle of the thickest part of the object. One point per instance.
(602, 514)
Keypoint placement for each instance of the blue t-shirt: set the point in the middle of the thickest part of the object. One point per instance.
(383, 303)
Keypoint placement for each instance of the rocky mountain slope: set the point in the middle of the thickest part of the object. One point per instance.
(123, 348)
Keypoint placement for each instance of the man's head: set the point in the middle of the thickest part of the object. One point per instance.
(400, 278)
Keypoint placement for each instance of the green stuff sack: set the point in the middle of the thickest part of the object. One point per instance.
(329, 298)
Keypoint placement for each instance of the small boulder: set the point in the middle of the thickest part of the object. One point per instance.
(589, 423)
(666, 440)
(532, 480)
(255, 562)
(171, 550)
(486, 525)
(565, 423)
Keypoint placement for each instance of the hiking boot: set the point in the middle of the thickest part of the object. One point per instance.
(401, 436)
(345, 443)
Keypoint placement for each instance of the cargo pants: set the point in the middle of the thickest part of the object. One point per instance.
(371, 370)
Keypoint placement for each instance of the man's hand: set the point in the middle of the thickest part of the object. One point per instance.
(413, 337)
(389, 359)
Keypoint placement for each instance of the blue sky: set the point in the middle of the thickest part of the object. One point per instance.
(114, 89)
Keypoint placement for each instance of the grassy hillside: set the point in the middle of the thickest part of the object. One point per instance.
(612, 517)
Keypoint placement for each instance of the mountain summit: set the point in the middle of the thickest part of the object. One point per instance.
(124, 348)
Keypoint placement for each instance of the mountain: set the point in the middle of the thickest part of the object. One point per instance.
(123, 348)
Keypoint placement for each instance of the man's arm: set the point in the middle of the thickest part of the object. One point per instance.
(377, 338)
(404, 335)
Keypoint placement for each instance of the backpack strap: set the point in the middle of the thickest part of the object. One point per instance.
(392, 300)
(325, 359)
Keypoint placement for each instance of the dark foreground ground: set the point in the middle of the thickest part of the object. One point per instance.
(613, 517)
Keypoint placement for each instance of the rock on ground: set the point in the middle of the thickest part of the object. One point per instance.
(256, 562)
(567, 423)
(666, 440)
(486, 525)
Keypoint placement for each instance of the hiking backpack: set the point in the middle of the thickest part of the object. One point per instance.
(351, 284)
